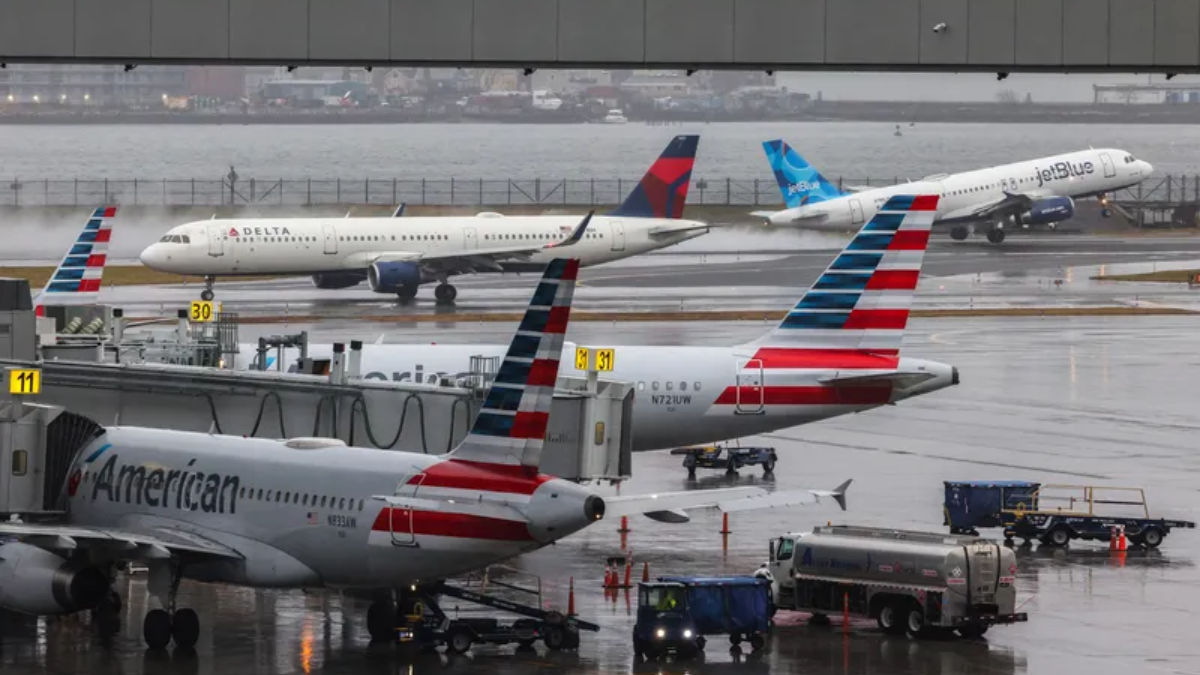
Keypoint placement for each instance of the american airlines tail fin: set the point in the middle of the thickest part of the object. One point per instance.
(854, 315)
(511, 425)
(799, 182)
(663, 190)
(77, 278)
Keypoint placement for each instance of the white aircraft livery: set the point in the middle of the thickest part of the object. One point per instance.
(836, 352)
(1039, 192)
(398, 255)
(312, 512)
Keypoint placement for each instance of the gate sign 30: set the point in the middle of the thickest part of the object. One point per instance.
(202, 311)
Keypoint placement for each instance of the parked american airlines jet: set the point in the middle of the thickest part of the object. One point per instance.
(836, 352)
(399, 255)
(77, 278)
(1036, 192)
(312, 512)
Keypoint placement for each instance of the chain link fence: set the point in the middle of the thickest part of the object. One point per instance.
(452, 191)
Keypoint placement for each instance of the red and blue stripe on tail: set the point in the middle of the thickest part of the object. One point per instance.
(77, 278)
(851, 319)
(663, 190)
(511, 425)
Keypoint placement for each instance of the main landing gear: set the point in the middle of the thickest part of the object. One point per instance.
(207, 294)
(407, 293)
(959, 232)
(161, 626)
(445, 293)
(995, 234)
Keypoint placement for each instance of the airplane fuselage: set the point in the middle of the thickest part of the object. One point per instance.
(332, 245)
(304, 517)
(683, 395)
(1075, 175)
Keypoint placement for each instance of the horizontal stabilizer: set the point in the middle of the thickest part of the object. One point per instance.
(896, 379)
(670, 507)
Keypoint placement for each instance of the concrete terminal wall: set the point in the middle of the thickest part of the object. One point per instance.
(992, 35)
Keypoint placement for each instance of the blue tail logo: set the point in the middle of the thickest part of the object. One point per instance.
(799, 182)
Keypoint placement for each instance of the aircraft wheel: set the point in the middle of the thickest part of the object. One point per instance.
(445, 294)
(959, 232)
(995, 235)
(206, 295)
(407, 292)
(185, 628)
(381, 617)
(156, 629)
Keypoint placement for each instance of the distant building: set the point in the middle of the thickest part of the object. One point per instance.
(224, 82)
(657, 83)
(102, 86)
(309, 93)
(1146, 94)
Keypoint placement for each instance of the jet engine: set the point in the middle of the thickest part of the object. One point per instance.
(336, 280)
(1049, 210)
(36, 581)
(390, 277)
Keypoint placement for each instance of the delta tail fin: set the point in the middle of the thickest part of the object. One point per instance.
(663, 190)
(853, 317)
(77, 278)
(511, 425)
(799, 182)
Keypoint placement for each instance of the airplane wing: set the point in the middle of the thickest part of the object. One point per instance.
(475, 260)
(1011, 202)
(806, 217)
(668, 230)
(135, 543)
(671, 507)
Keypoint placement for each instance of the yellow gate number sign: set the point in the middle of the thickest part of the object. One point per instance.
(24, 381)
(581, 358)
(605, 359)
(202, 311)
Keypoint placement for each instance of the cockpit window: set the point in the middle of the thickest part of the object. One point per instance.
(175, 239)
(185, 239)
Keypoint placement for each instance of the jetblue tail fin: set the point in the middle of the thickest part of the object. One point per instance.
(663, 190)
(77, 278)
(854, 315)
(511, 425)
(799, 182)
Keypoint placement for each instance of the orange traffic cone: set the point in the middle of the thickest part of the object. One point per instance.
(628, 575)
(646, 572)
(571, 598)
(1122, 543)
(624, 529)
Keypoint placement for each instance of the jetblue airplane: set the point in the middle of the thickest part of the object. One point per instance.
(1035, 192)
(836, 352)
(398, 255)
(312, 512)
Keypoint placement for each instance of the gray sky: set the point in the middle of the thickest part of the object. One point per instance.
(1045, 88)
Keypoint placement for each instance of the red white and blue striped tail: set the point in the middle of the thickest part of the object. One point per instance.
(511, 425)
(859, 306)
(77, 279)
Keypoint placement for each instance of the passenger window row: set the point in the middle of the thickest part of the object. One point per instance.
(669, 386)
(303, 499)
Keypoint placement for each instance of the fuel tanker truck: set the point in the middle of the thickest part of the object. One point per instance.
(921, 583)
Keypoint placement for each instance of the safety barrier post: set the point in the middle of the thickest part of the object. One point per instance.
(725, 524)
(846, 612)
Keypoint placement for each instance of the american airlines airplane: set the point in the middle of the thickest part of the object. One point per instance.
(836, 352)
(398, 255)
(312, 512)
(77, 278)
(1036, 192)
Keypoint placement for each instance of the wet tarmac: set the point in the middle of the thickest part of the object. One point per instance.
(1103, 400)
(1026, 271)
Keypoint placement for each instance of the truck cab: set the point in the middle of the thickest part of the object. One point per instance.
(664, 622)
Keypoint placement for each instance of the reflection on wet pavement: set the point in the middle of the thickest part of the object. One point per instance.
(1105, 400)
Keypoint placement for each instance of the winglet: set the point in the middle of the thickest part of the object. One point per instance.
(576, 235)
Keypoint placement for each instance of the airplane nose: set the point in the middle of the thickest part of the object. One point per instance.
(954, 375)
(151, 256)
(1147, 167)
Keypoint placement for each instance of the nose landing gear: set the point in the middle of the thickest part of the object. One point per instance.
(207, 294)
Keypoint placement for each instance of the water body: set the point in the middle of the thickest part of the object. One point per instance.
(852, 150)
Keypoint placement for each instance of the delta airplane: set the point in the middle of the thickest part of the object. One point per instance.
(397, 256)
(1036, 192)
(77, 278)
(312, 512)
(836, 352)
